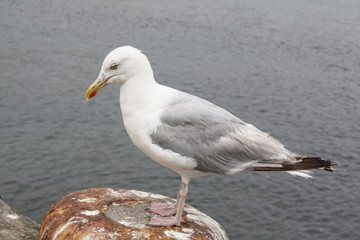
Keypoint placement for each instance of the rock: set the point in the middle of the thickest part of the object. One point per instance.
(106, 213)
(14, 226)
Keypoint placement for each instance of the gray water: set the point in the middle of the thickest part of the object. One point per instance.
(289, 67)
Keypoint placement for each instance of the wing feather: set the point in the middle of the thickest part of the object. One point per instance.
(216, 139)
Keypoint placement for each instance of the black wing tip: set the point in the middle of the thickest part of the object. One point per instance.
(326, 164)
(328, 168)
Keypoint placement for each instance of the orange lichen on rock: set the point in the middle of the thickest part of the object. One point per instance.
(106, 213)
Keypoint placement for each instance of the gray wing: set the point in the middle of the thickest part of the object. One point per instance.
(215, 138)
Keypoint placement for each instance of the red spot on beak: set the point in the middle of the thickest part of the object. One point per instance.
(92, 95)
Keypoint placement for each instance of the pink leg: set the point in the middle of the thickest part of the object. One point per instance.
(165, 209)
(174, 220)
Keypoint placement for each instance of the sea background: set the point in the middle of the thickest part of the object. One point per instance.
(291, 68)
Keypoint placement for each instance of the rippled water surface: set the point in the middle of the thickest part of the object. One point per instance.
(289, 67)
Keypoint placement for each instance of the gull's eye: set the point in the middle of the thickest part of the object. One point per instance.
(113, 67)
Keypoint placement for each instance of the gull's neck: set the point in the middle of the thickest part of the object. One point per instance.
(141, 94)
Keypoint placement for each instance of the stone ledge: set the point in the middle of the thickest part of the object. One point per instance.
(14, 226)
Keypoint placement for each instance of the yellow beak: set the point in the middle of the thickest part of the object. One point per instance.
(95, 88)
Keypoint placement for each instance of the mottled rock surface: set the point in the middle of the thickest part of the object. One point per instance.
(105, 213)
(14, 226)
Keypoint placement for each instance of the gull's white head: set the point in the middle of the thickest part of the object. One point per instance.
(119, 66)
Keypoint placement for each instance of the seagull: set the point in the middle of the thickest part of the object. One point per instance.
(188, 134)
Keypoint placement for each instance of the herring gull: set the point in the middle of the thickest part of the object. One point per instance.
(187, 134)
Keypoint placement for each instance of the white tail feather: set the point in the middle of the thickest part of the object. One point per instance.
(301, 173)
